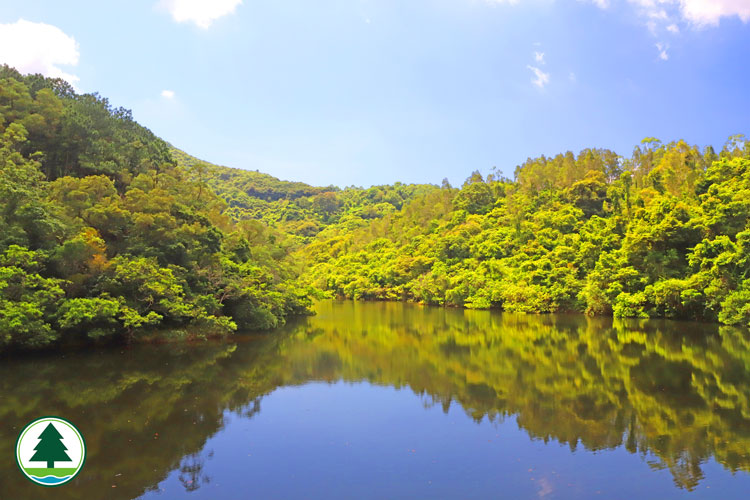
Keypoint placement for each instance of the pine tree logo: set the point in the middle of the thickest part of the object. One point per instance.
(50, 448)
(50, 451)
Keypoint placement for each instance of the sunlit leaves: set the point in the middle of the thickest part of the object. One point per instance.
(661, 234)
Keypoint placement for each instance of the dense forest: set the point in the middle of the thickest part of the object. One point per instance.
(103, 235)
(664, 233)
(108, 232)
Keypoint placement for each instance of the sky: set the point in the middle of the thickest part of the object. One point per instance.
(364, 92)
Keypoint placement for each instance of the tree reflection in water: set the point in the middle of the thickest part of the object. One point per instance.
(679, 392)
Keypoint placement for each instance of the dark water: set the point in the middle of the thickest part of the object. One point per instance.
(398, 401)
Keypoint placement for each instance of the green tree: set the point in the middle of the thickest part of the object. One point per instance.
(50, 448)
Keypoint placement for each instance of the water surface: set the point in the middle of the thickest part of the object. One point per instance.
(390, 400)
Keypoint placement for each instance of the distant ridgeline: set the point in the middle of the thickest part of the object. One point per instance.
(295, 208)
(108, 232)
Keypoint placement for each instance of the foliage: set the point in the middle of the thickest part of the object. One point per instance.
(665, 233)
(297, 209)
(104, 236)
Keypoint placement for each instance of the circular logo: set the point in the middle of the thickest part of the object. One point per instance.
(50, 451)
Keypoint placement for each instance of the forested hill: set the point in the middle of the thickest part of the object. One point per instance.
(108, 232)
(104, 236)
(251, 183)
(295, 208)
(663, 233)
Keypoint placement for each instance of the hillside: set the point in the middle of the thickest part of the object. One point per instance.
(297, 209)
(103, 236)
(663, 233)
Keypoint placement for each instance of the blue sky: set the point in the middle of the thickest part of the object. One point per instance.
(375, 91)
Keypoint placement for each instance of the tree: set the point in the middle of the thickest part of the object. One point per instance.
(476, 196)
(50, 448)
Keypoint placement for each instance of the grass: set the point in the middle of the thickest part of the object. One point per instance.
(44, 471)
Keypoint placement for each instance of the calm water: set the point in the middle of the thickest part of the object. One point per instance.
(398, 401)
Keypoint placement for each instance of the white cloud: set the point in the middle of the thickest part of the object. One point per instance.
(572, 77)
(709, 12)
(539, 57)
(201, 12)
(38, 48)
(673, 28)
(697, 12)
(662, 48)
(540, 77)
(659, 14)
(167, 94)
(602, 4)
(664, 13)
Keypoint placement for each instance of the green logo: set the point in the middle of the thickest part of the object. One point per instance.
(50, 451)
